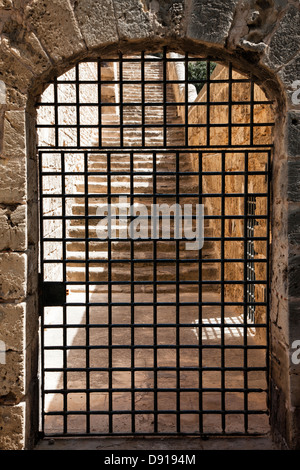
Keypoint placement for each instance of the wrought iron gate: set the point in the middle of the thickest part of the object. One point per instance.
(140, 335)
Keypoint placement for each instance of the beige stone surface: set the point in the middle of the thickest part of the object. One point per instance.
(12, 378)
(14, 134)
(96, 21)
(13, 180)
(109, 445)
(13, 227)
(12, 423)
(56, 27)
(13, 72)
(13, 276)
(132, 20)
(25, 47)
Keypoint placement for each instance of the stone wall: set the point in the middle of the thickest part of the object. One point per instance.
(235, 162)
(40, 40)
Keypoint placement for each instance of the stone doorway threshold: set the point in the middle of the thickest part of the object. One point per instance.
(160, 444)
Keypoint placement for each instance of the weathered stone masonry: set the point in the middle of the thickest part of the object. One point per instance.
(43, 39)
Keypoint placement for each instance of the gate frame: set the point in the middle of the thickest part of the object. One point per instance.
(24, 81)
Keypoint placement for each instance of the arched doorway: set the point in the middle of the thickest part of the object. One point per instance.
(155, 338)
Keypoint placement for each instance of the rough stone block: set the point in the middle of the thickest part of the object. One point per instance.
(6, 4)
(13, 228)
(12, 325)
(210, 21)
(97, 21)
(133, 22)
(15, 99)
(13, 186)
(25, 46)
(294, 322)
(14, 142)
(278, 416)
(294, 224)
(56, 27)
(13, 72)
(280, 360)
(294, 275)
(294, 440)
(293, 133)
(295, 387)
(32, 284)
(290, 77)
(12, 425)
(12, 378)
(13, 273)
(33, 223)
(294, 181)
(281, 48)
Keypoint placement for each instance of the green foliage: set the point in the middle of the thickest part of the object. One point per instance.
(198, 71)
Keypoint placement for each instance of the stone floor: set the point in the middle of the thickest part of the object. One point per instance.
(159, 444)
(166, 379)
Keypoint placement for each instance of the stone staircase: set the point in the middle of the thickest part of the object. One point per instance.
(142, 163)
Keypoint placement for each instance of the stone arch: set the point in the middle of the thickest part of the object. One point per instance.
(43, 39)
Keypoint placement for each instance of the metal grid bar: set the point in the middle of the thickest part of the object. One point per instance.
(149, 379)
(124, 104)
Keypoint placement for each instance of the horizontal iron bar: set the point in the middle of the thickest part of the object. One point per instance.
(142, 150)
(166, 390)
(157, 148)
(156, 260)
(142, 434)
(148, 240)
(156, 325)
(152, 412)
(154, 369)
(157, 346)
(151, 126)
(158, 217)
(158, 173)
(152, 195)
(191, 304)
(155, 434)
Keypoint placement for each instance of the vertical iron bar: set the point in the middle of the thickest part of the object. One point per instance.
(65, 337)
(87, 290)
(109, 300)
(200, 300)
(223, 359)
(245, 319)
(154, 241)
(178, 398)
(252, 102)
(268, 286)
(165, 99)
(121, 78)
(208, 82)
(99, 76)
(132, 287)
(230, 104)
(186, 94)
(143, 97)
(56, 115)
(42, 268)
(78, 138)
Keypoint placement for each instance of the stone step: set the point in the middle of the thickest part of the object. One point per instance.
(78, 231)
(141, 247)
(143, 272)
(138, 253)
(80, 209)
